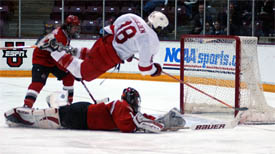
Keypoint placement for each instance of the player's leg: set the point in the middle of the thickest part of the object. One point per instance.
(74, 116)
(99, 59)
(39, 77)
(68, 82)
(37, 118)
(102, 57)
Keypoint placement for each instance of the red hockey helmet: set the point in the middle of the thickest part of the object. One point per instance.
(132, 97)
(72, 26)
(72, 20)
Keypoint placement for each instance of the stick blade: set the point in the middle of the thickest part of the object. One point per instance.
(215, 126)
(241, 109)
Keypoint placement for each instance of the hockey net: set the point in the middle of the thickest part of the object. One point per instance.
(225, 67)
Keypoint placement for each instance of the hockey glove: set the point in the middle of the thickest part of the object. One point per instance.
(71, 50)
(50, 45)
(158, 71)
(172, 120)
(146, 124)
(130, 59)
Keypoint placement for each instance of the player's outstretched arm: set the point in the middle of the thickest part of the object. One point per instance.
(147, 124)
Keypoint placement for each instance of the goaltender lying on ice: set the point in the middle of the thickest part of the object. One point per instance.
(122, 115)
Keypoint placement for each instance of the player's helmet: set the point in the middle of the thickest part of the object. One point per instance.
(158, 20)
(48, 28)
(131, 96)
(72, 21)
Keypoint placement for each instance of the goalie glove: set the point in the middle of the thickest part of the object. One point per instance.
(172, 120)
(146, 124)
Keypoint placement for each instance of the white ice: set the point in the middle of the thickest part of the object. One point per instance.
(157, 98)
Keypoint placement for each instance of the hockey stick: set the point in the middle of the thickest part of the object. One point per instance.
(106, 78)
(88, 91)
(209, 126)
(218, 100)
(214, 125)
(18, 47)
(222, 125)
(225, 125)
(104, 100)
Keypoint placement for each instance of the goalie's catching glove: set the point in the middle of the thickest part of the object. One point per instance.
(146, 124)
(158, 70)
(172, 120)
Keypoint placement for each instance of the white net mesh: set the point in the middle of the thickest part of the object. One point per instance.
(210, 66)
(259, 111)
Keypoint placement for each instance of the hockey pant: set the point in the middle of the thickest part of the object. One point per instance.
(74, 116)
(39, 77)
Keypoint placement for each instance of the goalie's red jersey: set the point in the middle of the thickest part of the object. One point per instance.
(43, 57)
(112, 116)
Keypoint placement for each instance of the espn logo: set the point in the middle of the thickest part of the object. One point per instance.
(14, 56)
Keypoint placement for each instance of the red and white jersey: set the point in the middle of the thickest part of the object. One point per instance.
(43, 57)
(129, 35)
(112, 116)
(133, 35)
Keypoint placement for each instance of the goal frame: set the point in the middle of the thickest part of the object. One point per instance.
(237, 68)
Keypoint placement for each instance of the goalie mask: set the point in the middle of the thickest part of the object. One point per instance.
(72, 26)
(157, 20)
(131, 96)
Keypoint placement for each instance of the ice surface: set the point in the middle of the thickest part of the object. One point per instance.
(157, 98)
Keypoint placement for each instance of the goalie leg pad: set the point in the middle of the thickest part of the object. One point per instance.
(172, 120)
(47, 118)
(13, 119)
(44, 118)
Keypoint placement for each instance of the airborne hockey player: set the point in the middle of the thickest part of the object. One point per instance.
(123, 115)
(43, 63)
(128, 35)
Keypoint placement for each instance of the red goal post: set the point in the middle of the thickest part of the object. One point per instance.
(224, 67)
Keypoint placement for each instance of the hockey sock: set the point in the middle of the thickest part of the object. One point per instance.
(70, 90)
(68, 82)
(33, 91)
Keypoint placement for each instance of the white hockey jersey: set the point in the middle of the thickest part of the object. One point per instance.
(133, 35)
